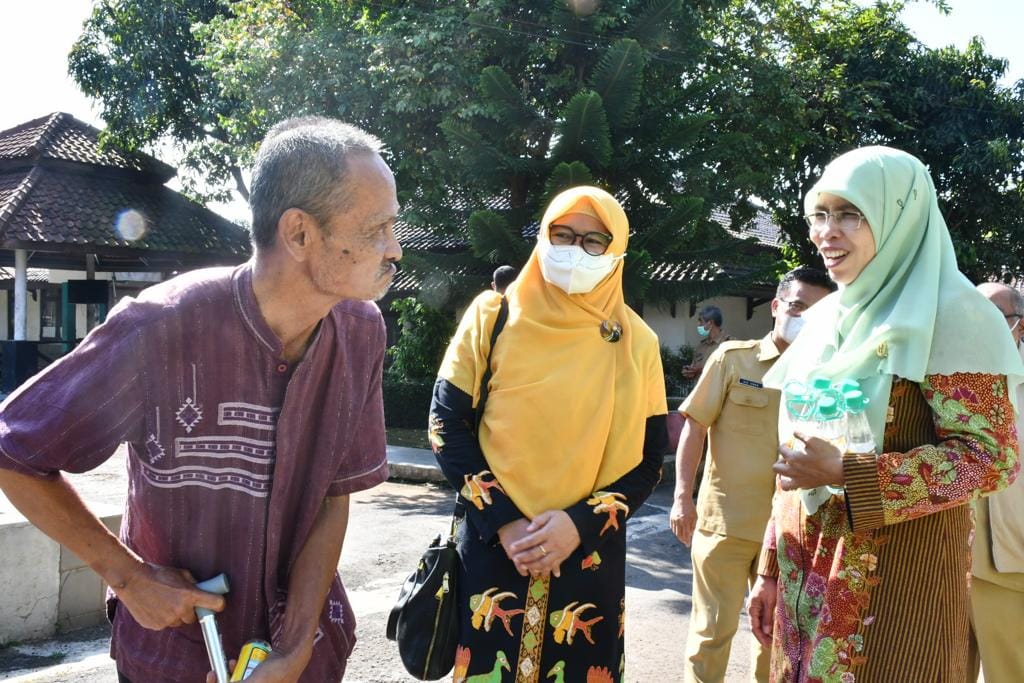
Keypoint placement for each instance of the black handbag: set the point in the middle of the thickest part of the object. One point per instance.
(425, 619)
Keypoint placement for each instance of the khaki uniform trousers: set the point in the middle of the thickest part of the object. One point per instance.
(997, 622)
(723, 569)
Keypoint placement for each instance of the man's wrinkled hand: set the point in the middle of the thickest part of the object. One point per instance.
(277, 668)
(683, 519)
(164, 597)
(763, 597)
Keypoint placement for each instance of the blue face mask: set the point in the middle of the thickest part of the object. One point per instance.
(703, 331)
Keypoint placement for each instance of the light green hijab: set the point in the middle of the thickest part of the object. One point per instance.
(910, 312)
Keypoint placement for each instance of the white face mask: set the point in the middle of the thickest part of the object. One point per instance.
(790, 328)
(573, 270)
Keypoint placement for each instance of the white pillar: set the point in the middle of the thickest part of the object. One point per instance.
(20, 294)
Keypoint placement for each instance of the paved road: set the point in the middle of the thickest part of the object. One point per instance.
(389, 528)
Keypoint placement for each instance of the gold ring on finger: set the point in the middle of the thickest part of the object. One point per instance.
(543, 552)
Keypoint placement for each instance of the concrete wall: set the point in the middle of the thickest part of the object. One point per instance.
(46, 588)
(674, 332)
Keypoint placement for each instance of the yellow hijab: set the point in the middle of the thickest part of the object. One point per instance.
(567, 410)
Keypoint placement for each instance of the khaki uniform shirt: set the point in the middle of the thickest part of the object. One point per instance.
(999, 530)
(702, 352)
(735, 496)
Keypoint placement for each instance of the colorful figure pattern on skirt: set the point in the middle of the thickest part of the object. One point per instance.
(595, 674)
(610, 503)
(477, 488)
(569, 621)
(569, 628)
(462, 660)
(486, 607)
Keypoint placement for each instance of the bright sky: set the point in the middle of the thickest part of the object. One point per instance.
(998, 22)
(36, 35)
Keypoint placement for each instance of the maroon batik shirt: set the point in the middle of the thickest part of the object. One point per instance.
(231, 450)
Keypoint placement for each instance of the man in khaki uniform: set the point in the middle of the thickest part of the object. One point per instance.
(997, 588)
(741, 415)
(709, 327)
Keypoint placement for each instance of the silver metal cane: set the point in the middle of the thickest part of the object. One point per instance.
(211, 636)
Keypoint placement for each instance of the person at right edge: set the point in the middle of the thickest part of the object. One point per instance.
(865, 566)
(997, 584)
(570, 444)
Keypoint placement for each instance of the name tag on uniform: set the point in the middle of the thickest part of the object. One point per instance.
(751, 383)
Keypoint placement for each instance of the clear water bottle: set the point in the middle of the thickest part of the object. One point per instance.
(800, 403)
(830, 425)
(830, 419)
(859, 438)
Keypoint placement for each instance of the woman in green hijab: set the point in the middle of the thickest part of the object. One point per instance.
(869, 582)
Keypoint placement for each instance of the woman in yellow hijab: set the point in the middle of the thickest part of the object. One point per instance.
(569, 443)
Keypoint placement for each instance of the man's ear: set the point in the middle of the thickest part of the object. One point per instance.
(775, 306)
(295, 232)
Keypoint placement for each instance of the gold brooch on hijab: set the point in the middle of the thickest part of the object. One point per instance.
(611, 331)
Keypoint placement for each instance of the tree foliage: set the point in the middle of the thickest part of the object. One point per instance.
(140, 59)
(679, 107)
(420, 348)
(861, 78)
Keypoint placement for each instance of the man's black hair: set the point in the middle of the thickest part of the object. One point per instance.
(503, 277)
(806, 275)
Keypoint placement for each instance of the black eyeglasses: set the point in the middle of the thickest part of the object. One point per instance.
(594, 243)
(795, 305)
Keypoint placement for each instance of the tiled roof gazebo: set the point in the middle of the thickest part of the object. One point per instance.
(66, 202)
(63, 197)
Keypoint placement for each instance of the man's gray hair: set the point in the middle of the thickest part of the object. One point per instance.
(1018, 300)
(1013, 296)
(302, 163)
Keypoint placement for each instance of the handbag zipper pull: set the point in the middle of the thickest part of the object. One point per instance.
(443, 590)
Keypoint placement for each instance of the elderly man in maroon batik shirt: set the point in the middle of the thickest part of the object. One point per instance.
(251, 402)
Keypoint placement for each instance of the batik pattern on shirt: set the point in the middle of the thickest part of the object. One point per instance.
(873, 586)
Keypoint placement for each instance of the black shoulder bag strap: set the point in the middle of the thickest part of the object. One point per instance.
(478, 412)
(499, 323)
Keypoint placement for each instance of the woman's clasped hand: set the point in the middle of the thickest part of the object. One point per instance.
(539, 547)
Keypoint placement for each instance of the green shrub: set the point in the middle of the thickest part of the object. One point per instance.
(424, 336)
(672, 363)
(407, 402)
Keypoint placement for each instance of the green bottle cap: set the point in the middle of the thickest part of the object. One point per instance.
(856, 401)
(828, 407)
(820, 383)
(848, 385)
